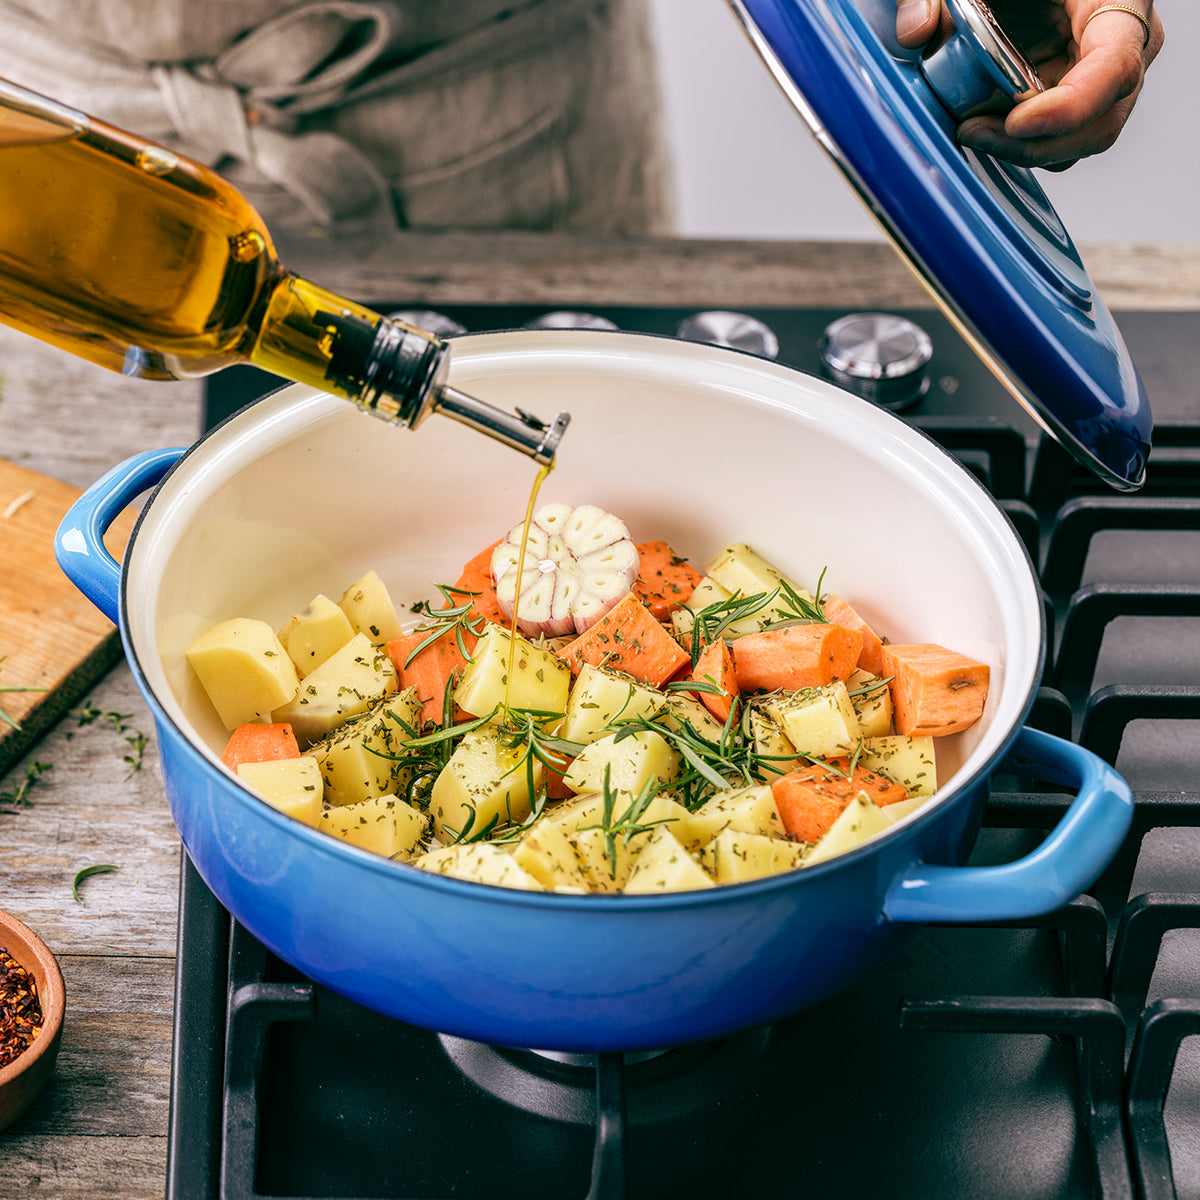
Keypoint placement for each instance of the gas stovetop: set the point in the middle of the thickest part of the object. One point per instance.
(1042, 1059)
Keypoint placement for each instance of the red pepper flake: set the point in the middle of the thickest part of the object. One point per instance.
(20, 1010)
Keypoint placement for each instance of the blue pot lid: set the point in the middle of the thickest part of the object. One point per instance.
(978, 232)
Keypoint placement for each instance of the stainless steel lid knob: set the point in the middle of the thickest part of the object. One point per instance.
(736, 330)
(878, 356)
(979, 68)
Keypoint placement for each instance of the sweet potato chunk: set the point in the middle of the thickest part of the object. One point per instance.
(811, 800)
(665, 581)
(627, 638)
(870, 657)
(935, 691)
(795, 656)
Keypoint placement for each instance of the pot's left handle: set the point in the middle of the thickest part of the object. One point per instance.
(79, 542)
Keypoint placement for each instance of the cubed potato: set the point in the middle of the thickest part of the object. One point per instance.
(901, 809)
(634, 762)
(383, 825)
(739, 569)
(585, 809)
(906, 760)
(707, 592)
(872, 700)
(777, 755)
(583, 820)
(663, 864)
(370, 610)
(485, 780)
(860, 821)
(540, 681)
(480, 862)
(243, 669)
(743, 810)
(364, 757)
(603, 874)
(346, 684)
(546, 853)
(314, 633)
(588, 809)
(735, 856)
(599, 697)
(819, 721)
(292, 785)
(686, 711)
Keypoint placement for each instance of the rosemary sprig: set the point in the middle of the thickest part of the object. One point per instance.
(89, 714)
(706, 685)
(450, 618)
(518, 829)
(711, 621)
(869, 689)
(87, 873)
(12, 722)
(18, 796)
(711, 763)
(630, 822)
(137, 743)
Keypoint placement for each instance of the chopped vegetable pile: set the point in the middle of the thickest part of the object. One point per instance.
(649, 727)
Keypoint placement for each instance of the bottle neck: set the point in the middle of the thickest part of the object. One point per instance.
(389, 368)
(400, 377)
(383, 365)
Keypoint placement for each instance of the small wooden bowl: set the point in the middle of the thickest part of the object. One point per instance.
(26, 1075)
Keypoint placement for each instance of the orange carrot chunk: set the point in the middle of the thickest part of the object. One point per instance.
(481, 564)
(477, 577)
(430, 669)
(811, 799)
(795, 656)
(627, 638)
(870, 657)
(260, 743)
(665, 581)
(716, 666)
(935, 691)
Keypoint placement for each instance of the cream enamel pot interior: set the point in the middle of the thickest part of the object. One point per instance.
(699, 446)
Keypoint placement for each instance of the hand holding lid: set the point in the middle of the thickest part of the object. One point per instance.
(978, 232)
(1090, 55)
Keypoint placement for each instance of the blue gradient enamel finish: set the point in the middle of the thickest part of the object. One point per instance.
(589, 972)
(980, 232)
(79, 540)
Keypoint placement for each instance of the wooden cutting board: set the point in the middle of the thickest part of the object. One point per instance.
(50, 635)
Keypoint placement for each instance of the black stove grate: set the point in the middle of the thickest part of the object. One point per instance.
(1046, 1058)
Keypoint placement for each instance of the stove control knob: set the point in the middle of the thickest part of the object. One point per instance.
(736, 330)
(878, 356)
(570, 320)
(432, 322)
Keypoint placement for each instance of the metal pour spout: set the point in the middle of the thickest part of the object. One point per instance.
(402, 383)
(520, 429)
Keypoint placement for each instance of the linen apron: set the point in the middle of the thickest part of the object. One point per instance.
(376, 114)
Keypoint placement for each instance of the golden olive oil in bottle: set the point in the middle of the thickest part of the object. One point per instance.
(145, 262)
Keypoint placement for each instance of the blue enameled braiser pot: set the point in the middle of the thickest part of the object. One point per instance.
(699, 446)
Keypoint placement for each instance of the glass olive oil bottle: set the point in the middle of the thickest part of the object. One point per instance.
(126, 254)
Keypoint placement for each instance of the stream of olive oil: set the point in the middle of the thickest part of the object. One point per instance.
(539, 479)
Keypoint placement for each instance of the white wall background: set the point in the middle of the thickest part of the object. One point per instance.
(746, 165)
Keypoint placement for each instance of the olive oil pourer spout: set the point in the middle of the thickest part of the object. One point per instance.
(520, 430)
(403, 371)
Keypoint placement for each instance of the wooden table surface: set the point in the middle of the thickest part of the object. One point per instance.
(100, 1127)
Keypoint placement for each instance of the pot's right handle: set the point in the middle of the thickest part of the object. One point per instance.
(79, 543)
(1077, 850)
